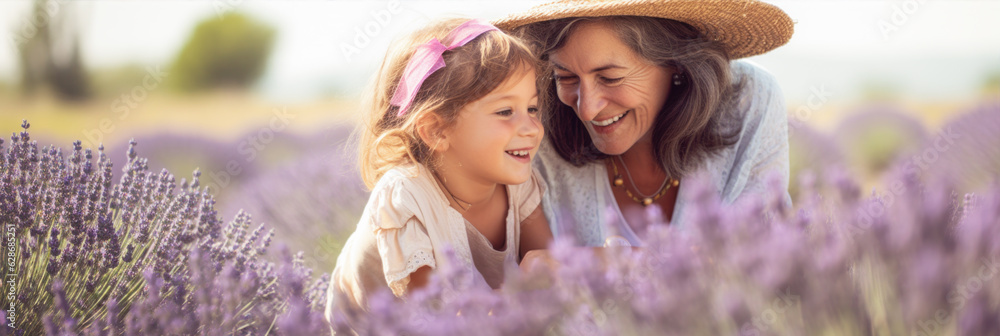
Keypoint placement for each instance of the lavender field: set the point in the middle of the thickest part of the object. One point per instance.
(188, 168)
(101, 244)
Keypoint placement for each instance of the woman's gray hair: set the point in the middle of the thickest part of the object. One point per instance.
(691, 124)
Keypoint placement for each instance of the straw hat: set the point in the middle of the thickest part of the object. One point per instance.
(744, 27)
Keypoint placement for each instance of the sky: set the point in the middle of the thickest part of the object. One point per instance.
(938, 50)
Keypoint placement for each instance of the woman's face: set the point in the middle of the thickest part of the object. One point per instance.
(615, 92)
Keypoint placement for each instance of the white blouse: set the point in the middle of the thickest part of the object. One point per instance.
(408, 224)
(582, 198)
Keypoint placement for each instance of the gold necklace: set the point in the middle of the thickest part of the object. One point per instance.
(457, 200)
(645, 200)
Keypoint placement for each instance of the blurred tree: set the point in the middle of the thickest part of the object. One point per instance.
(230, 50)
(49, 51)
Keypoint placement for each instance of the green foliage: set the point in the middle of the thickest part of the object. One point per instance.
(878, 135)
(879, 90)
(117, 80)
(226, 51)
(992, 82)
(879, 147)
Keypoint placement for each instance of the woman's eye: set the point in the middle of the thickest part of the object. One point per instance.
(564, 79)
(612, 80)
(505, 113)
(533, 110)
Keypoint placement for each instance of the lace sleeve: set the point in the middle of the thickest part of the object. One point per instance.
(403, 251)
(403, 242)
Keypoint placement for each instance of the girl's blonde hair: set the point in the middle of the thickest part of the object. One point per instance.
(471, 72)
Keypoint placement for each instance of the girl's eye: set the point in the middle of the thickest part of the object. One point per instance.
(611, 80)
(533, 110)
(505, 113)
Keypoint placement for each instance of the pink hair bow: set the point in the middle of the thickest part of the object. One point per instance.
(428, 58)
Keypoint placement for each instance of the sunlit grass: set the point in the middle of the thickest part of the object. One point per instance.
(222, 116)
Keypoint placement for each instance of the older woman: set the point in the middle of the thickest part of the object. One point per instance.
(648, 95)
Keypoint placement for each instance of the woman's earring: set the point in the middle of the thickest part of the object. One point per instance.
(677, 79)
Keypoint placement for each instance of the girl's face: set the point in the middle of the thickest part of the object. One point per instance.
(615, 92)
(496, 137)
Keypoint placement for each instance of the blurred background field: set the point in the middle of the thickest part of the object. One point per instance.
(261, 96)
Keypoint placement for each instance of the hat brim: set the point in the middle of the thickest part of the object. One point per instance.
(744, 27)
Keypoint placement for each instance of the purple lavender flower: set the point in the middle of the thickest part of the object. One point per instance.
(314, 201)
(753, 267)
(70, 221)
(177, 152)
(915, 255)
(877, 135)
(810, 152)
(965, 148)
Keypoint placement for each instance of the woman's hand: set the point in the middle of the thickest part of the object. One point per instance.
(542, 258)
(538, 258)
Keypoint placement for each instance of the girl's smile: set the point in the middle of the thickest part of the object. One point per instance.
(495, 137)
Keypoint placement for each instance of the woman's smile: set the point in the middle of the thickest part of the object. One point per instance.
(609, 125)
(608, 121)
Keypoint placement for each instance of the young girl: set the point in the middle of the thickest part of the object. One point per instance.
(447, 150)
